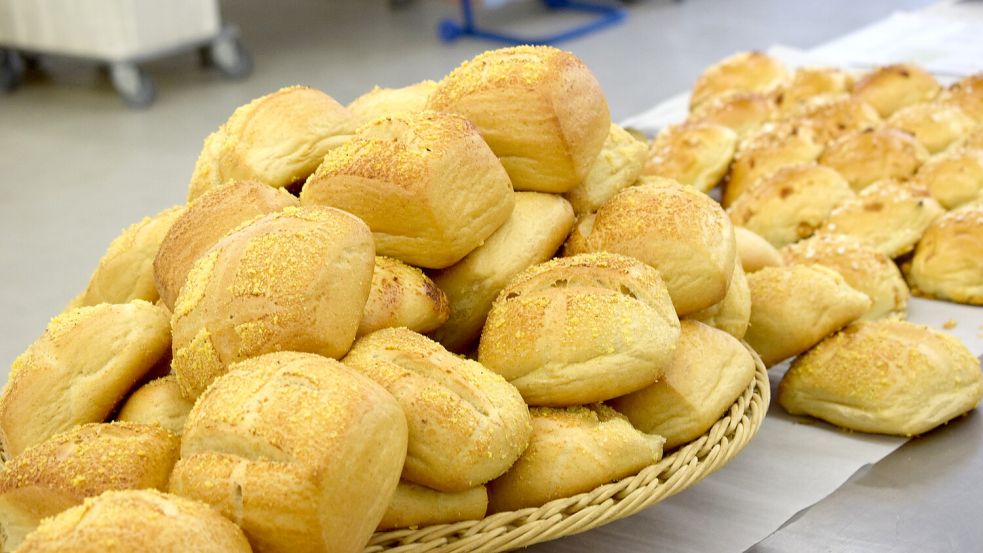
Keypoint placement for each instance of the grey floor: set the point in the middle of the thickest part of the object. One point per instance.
(76, 166)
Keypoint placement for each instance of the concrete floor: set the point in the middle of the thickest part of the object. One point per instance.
(76, 166)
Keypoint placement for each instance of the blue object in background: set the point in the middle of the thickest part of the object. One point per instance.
(606, 15)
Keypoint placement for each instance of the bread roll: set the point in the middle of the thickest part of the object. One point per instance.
(893, 87)
(401, 295)
(862, 266)
(948, 263)
(679, 231)
(732, 313)
(742, 72)
(696, 154)
(953, 177)
(572, 451)
(537, 227)
(974, 139)
(293, 280)
(709, 371)
(774, 146)
(278, 140)
(425, 183)
(302, 452)
(791, 203)
(888, 377)
(796, 306)
(581, 329)
(807, 83)
(968, 95)
(754, 252)
(158, 402)
(78, 370)
(616, 167)
(831, 117)
(741, 112)
(383, 102)
(871, 155)
(936, 125)
(137, 520)
(540, 109)
(415, 506)
(207, 219)
(890, 215)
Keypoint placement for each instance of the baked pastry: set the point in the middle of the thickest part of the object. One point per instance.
(867, 156)
(272, 285)
(414, 506)
(158, 402)
(935, 124)
(573, 450)
(696, 154)
(967, 93)
(536, 229)
(98, 353)
(974, 139)
(774, 146)
(676, 229)
(539, 109)
(383, 102)
(953, 177)
(581, 329)
(832, 116)
(302, 452)
(755, 252)
(892, 87)
(948, 262)
(888, 377)
(616, 167)
(278, 140)
(709, 371)
(732, 313)
(207, 219)
(425, 183)
(742, 72)
(741, 112)
(795, 306)
(791, 203)
(401, 295)
(807, 83)
(863, 267)
(890, 215)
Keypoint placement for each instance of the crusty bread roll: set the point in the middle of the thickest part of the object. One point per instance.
(206, 220)
(79, 370)
(791, 203)
(158, 402)
(278, 140)
(807, 83)
(888, 377)
(383, 102)
(696, 154)
(863, 267)
(948, 262)
(732, 313)
(741, 112)
(867, 156)
(831, 117)
(467, 425)
(302, 452)
(935, 124)
(974, 139)
(709, 370)
(767, 150)
(754, 252)
(890, 215)
(84, 462)
(536, 229)
(540, 109)
(968, 95)
(425, 183)
(573, 450)
(795, 306)
(581, 329)
(616, 167)
(137, 520)
(292, 280)
(742, 72)
(401, 295)
(414, 506)
(953, 177)
(678, 230)
(893, 87)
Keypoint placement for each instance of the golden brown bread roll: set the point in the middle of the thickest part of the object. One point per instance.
(616, 167)
(741, 112)
(425, 183)
(137, 520)
(968, 95)
(79, 370)
(796, 306)
(755, 252)
(863, 267)
(536, 229)
(935, 124)
(696, 154)
(302, 452)
(273, 285)
(948, 262)
(772, 147)
(383, 102)
(888, 377)
(581, 329)
(415, 506)
(709, 371)
(892, 87)
(732, 313)
(742, 72)
(401, 295)
(953, 177)
(974, 139)
(573, 450)
(540, 109)
(678, 230)
(807, 83)
(206, 220)
(278, 140)
(831, 117)
(867, 156)
(158, 402)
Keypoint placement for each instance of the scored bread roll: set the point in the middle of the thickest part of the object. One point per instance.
(401, 295)
(79, 370)
(754, 252)
(296, 280)
(302, 452)
(887, 377)
(867, 156)
(732, 313)
(948, 263)
(536, 229)
(742, 72)
(936, 125)
(831, 117)
(696, 154)
(278, 140)
(966, 93)
(616, 167)
(767, 150)
(425, 183)
(710, 370)
(892, 87)
(415, 506)
(953, 177)
(539, 109)
(573, 450)
(383, 102)
(206, 220)
(158, 402)
(795, 306)
(808, 82)
(741, 112)
(581, 329)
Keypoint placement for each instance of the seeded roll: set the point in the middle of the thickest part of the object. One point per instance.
(948, 263)
(831, 117)
(732, 313)
(741, 112)
(893, 87)
(383, 102)
(936, 125)
(954, 177)
(742, 72)
(868, 156)
(696, 154)
(754, 252)
(617, 167)
(415, 506)
(967, 93)
(769, 149)
(402, 296)
(160, 403)
(807, 83)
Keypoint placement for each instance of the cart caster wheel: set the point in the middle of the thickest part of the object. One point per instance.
(228, 55)
(11, 70)
(133, 85)
(448, 31)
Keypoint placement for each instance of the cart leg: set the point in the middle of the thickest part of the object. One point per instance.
(11, 70)
(227, 54)
(133, 85)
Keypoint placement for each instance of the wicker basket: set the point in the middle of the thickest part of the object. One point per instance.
(686, 466)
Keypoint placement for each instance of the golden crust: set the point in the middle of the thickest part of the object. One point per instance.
(948, 262)
(732, 313)
(741, 112)
(831, 117)
(158, 402)
(401, 295)
(696, 154)
(968, 95)
(935, 124)
(867, 156)
(754, 252)
(764, 152)
(892, 87)
(954, 177)
(383, 102)
(742, 72)
(807, 83)
(616, 167)
(972, 140)
(414, 506)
